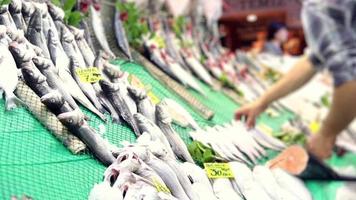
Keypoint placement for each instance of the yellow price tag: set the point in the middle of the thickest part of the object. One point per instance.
(89, 75)
(218, 170)
(136, 82)
(314, 127)
(160, 187)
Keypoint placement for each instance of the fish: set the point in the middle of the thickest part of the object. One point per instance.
(8, 78)
(46, 24)
(83, 25)
(197, 175)
(99, 30)
(87, 88)
(35, 79)
(145, 125)
(6, 19)
(58, 56)
(104, 191)
(28, 9)
(35, 34)
(56, 13)
(112, 93)
(48, 119)
(224, 191)
(55, 102)
(4, 38)
(121, 35)
(83, 46)
(20, 54)
(47, 68)
(144, 104)
(178, 146)
(275, 143)
(291, 184)
(75, 122)
(245, 181)
(15, 8)
(179, 115)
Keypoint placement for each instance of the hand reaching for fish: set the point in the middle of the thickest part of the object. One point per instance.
(250, 112)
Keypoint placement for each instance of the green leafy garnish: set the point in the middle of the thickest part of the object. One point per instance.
(202, 154)
(325, 100)
(71, 16)
(5, 2)
(178, 26)
(292, 138)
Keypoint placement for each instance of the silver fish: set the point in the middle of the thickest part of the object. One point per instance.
(223, 189)
(20, 53)
(56, 13)
(46, 24)
(55, 102)
(198, 69)
(144, 104)
(83, 46)
(83, 25)
(47, 68)
(75, 122)
(121, 35)
(35, 79)
(99, 30)
(112, 92)
(15, 8)
(8, 78)
(178, 146)
(6, 19)
(35, 34)
(56, 51)
(87, 88)
(28, 10)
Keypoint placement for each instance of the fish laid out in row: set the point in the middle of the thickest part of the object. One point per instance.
(146, 170)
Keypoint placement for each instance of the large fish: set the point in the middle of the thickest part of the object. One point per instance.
(47, 68)
(87, 88)
(15, 8)
(6, 19)
(99, 31)
(121, 35)
(35, 34)
(144, 104)
(8, 78)
(117, 100)
(75, 122)
(178, 146)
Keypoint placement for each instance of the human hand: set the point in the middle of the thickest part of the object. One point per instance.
(250, 112)
(321, 145)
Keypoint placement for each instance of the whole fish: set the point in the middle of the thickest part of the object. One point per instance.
(8, 78)
(87, 88)
(178, 146)
(46, 24)
(35, 79)
(144, 104)
(48, 119)
(56, 51)
(28, 9)
(35, 34)
(121, 35)
(55, 102)
(75, 122)
(198, 69)
(15, 8)
(6, 19)
(47, 68)
(99, 30)
(112, 93)
(145, 125)
(224, 191)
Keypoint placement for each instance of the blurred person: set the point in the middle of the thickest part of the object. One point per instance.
(330, 31)
(277, 34)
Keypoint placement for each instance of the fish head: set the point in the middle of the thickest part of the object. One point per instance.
(42, 8)
(15, 6)
(4, 9)
(28, 8)
(52, 39)
(42, 63)
(108, 87)
(67, 36)
(137, 93)
(36, 21)
(78, 33)
(140, 119)
(56, 12)
(73, 119)
(112, 73)
(15, 35)
(19, 52)
(31, 73)
(162, 114)
(54, 98)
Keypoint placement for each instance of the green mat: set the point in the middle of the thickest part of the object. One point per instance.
(34, 163)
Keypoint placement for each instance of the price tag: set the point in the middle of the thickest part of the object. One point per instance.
(160, 187)
(136, 82)
(218, 170)
(89, 75)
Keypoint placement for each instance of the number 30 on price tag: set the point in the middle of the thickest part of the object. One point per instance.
(218, 170)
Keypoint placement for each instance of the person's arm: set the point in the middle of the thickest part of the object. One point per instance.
(342, 112)
(300, 74)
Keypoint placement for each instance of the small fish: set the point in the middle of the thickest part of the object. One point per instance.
(56, 51)
(224, 190)
(99, 30)
(35, 33)
(178, 146)
(35, 79)
(75, 122)
(87, 88)
(15, 8)
(112, 93)
(46, 24)
(6, 19)
(144, 104)
(8, 78)
(121, 35)
(47, 68)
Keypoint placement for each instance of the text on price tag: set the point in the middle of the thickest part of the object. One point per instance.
(89, 75)
(218, 170)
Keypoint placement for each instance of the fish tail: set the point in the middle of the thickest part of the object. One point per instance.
(12, 102)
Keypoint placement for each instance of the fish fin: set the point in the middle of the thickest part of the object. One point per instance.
(12, 102)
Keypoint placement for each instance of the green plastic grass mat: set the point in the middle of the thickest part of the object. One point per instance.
(35, 163)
